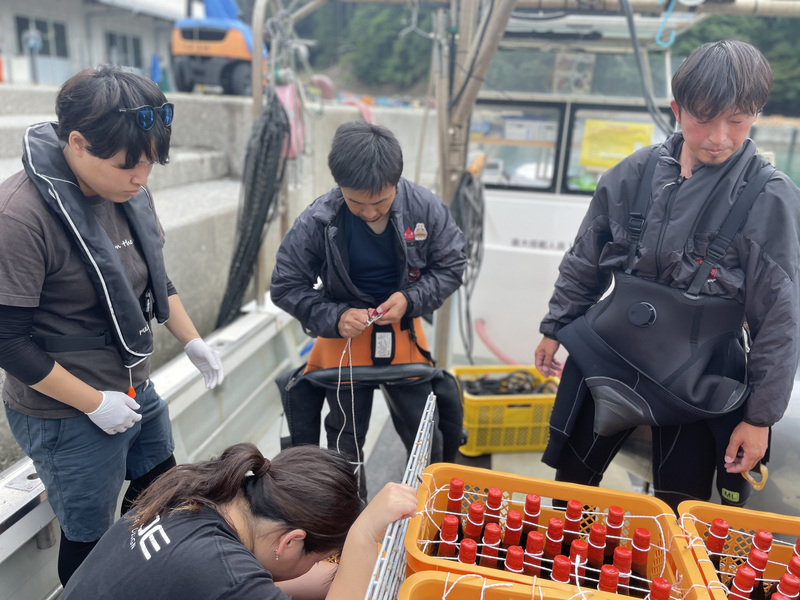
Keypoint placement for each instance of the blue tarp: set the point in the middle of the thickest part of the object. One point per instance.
(221, 9)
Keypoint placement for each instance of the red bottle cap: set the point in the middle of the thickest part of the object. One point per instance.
(533, 505)
(555, 530)
(597, 535)
(762, 540)
(779, 596)
(717, 534)
(561, 566)
(574, 510)
(757, 559)
(468, 551)
(609, 579)
(789, 585)
(475, 514)
(514, 559)
(578, 549)
(744, 579)
(494, 498)
(513, 520)
(794, 565)
(491, 535)
(622, 559)
(660, 589)
(449, 528)
(535, 542)
(456, 491)
(616, 516)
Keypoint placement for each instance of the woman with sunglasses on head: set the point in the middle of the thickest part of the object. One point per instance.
(233, 527)
(81, 277)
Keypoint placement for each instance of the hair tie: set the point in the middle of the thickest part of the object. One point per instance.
(262, 470)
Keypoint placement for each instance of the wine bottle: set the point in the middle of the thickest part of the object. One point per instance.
(597, 548)
(622, 561)
(534, 550)
(578, 552)
(467, 551)
(494, 502)
(561, 568)
(531, 512)
(788, 585)
(609, 579)
(448, 537)
(455, 499)
(640, 548)
(513, 533)
(715, 541)
(757, 560)
(474, 525)
(572, 525)
(614, 522)
(742, 584)
(490, 548)
(515, 556)
(552, 545)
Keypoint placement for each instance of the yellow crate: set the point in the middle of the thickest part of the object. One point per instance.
(433, 585)
(696, 517)
(504, 423)
(670, 555)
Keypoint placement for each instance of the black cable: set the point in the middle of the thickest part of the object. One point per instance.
(655, 113)
(467, 207)
(261, 182)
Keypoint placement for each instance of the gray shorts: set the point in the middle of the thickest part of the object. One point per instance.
(83, 468)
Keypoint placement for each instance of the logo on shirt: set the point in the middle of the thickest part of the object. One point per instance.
(413, 274)
(147, 537)
(408, 234)
(420, 233)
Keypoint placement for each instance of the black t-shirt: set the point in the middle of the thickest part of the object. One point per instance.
(185, 555)
(372, 256)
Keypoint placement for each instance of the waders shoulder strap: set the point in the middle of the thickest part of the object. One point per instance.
(640, 206)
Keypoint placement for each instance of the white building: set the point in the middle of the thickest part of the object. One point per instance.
(47, 41)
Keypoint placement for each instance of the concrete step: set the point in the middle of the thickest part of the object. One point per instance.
(12, 128)
(18, 99)
(186, 166)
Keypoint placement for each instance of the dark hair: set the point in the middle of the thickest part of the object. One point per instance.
(88, 103)
(303, 487)
(720, 76)
(365, 157)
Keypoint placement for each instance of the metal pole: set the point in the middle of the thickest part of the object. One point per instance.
(257, 80)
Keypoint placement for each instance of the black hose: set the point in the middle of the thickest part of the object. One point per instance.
(261, 182)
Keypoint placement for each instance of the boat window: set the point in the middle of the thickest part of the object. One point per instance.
(519, 144)
(600, 138)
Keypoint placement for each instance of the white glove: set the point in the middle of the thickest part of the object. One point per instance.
(115, 413)
(207, 362)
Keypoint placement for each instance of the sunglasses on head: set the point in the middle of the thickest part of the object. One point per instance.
(146, 115)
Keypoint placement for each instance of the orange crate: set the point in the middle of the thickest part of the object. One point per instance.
(670, 555)
(696, 517)
(432, 585)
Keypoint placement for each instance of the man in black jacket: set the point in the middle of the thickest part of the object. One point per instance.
(701, 170)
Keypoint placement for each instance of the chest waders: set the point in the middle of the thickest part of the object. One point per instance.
(655, 355)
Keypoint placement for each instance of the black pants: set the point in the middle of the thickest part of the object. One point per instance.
(685, 457)
(406, 405)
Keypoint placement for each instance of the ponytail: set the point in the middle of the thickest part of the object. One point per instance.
(304, 487)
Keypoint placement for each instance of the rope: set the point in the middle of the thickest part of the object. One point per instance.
(261, 181)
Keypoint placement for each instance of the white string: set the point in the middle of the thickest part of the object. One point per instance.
(352, 409)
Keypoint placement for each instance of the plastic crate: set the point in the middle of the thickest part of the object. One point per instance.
(504, 423)
(696, 517)
(433, 585)
(670, 555)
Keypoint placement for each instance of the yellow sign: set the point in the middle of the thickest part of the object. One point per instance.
(605, 143)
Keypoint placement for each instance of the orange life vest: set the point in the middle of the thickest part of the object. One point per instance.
(327, 352)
